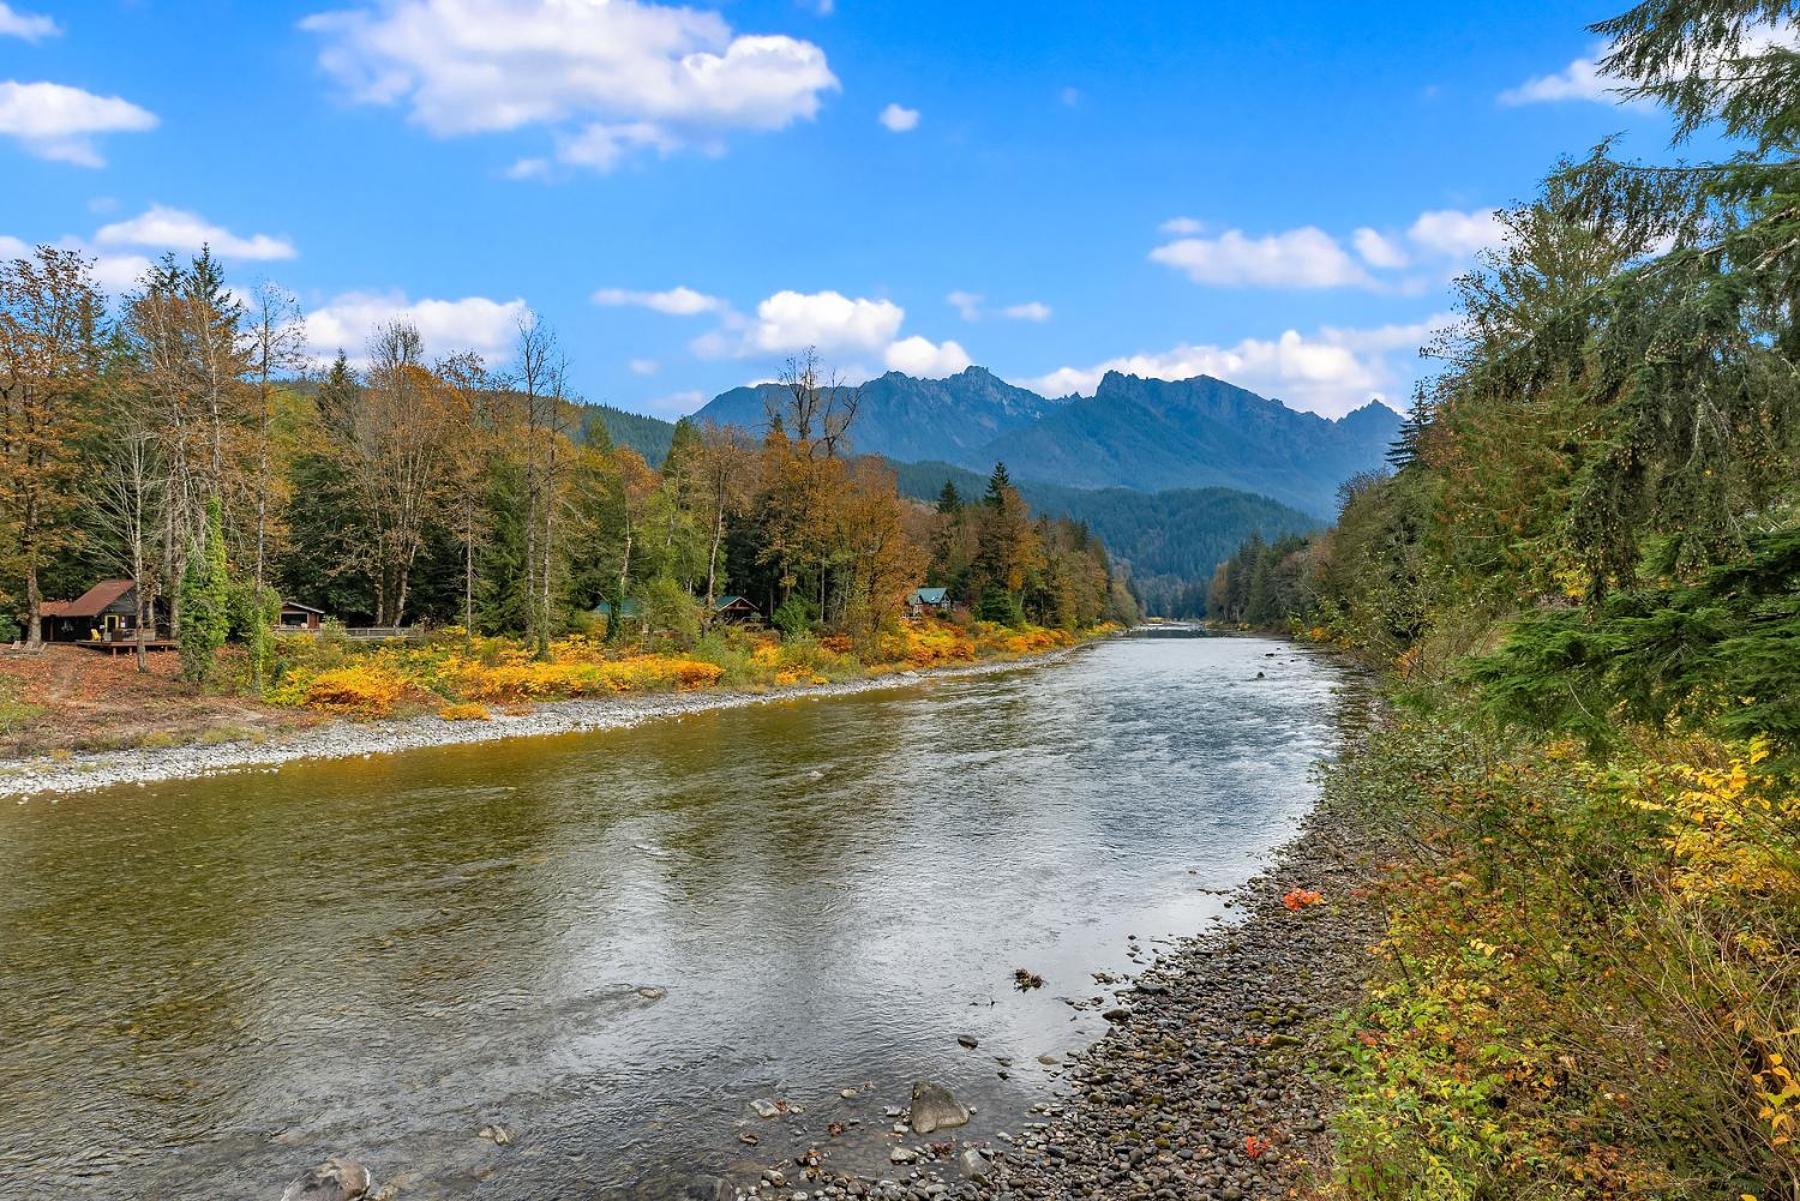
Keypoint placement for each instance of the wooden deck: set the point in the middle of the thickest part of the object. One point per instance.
(127, 646)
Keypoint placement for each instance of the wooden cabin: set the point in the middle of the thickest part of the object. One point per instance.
(297, 618)
(735, 611)
(105, 613)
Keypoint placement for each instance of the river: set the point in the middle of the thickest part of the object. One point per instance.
(609, 943)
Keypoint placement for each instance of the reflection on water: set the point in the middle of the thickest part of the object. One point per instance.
(610, 942)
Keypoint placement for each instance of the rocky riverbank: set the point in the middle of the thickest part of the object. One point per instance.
(345, 739)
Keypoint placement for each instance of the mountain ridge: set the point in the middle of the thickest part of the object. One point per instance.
(1145, 434)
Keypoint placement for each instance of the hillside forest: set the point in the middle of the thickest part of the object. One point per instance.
(1583, 575)
(178, 437)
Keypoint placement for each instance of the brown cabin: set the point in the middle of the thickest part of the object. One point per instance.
(107, 612)
(296, 617)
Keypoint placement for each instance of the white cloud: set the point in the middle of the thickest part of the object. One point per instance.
(1580, 80)
(120, 273)
(1031, 310)
(966, 304)
(476, 323)
(1378, 250)
(921, 357)
(54, 121)
(609, 76)
(830, 321)
(1328, 373)
(174, 229)
(1182, 227)
(679, 301)
(899, 119)
(13, 248)
(1456, 234)
(30, 26)
(644, 366)
(603, 146)
(1297, 258)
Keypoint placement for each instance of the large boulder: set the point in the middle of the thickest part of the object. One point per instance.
(337, 1179)
(933, 1108)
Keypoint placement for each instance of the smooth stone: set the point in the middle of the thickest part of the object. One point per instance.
(934, 1108)
(337, 1179)
(762, 1107)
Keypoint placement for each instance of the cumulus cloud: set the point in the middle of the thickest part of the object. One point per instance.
(1297, 258)
(1580, 80)
(1378, 250)
(58, 122)
(167, 228)
(679, 301)
(476, 323)
(929, 360)
(609, 77)
(1031, 310)
(790, 321)
(30, 26)
(1329, 373)
(1454, 233)
(644, 366)
(899, 119)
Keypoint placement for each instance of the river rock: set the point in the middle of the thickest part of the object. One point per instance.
(968, 1040)
(337, 1179)
(762, 1107)
(933, 1108)
(973, 1165)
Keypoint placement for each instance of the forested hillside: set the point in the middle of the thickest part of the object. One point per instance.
(170, 438)
(1170, 540)
(1584, 576)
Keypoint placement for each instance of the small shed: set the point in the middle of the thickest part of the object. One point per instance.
(297, 617)
(107, 612)
(928, 600)
(735, 610)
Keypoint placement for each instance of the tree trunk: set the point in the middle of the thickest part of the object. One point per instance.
(34, 600)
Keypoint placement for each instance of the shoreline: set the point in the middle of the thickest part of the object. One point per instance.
(1207, 1083)
(1221, 1041)
(344, 738)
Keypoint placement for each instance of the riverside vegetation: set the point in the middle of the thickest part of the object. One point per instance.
(1584, 574)
(173, 438)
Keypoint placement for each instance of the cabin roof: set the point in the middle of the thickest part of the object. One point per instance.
(726, 602)
(91, 603)
(930, 596)
(301, 607)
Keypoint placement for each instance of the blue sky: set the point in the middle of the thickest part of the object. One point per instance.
(1274, 195)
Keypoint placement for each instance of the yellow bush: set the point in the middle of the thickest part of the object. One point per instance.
(369, 689)
(464, 711)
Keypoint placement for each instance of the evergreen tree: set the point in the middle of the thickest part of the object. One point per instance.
(205, 601)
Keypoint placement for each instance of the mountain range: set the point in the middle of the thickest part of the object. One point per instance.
(1172, 475)
(1137, 433)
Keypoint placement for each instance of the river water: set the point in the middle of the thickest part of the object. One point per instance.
(610, 943)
